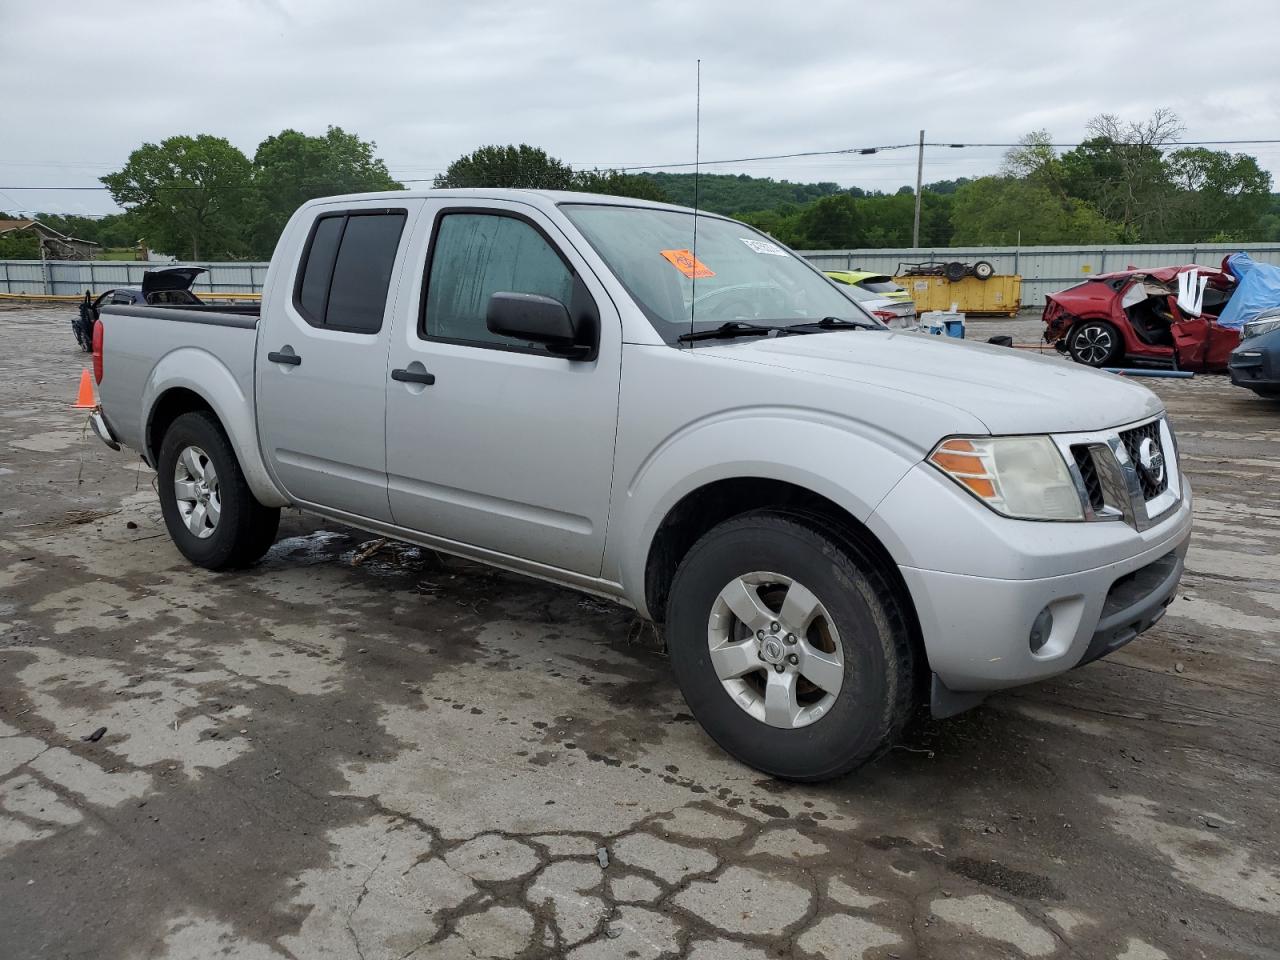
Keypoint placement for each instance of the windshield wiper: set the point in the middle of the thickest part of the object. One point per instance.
(838, 323)
(735, 328)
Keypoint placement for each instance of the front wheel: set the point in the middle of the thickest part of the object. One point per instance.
(789, 650)
(212, 516)
(1095, 343)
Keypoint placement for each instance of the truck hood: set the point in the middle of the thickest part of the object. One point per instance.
(1008, 390)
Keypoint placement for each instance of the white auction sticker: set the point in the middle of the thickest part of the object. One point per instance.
(764, 246)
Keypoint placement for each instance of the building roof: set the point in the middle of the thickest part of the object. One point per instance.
(10, 226)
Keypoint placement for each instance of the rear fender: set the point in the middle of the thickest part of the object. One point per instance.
(198, 370)
(1091, 300)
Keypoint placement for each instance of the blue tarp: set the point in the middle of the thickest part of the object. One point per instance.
(1257, 289)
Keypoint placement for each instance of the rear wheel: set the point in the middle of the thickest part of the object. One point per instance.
(212, 516)
(955, 271)
(788, 648)
(1095, 343)
(983, 270)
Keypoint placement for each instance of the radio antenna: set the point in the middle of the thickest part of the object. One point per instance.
(697, 159)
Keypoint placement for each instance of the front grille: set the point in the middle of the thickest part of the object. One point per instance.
(1154, 481)
(1089, 474)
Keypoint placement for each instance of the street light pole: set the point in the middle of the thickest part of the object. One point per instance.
(915, 227)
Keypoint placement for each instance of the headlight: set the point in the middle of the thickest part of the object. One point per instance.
(1023, 477)
(1256, 328)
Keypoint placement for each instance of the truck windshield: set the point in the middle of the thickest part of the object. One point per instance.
(739, 274)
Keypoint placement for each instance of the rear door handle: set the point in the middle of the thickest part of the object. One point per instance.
(292, 359)
(413, 376)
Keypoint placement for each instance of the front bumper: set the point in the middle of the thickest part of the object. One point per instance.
(1255, 368)
(977, 629)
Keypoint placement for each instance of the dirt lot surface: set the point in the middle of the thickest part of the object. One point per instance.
(346, 753)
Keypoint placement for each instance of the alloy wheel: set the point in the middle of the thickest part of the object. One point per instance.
(195, 485)
(775, 649)
(1094, 344)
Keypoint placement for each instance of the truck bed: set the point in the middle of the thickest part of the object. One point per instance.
(149, 350)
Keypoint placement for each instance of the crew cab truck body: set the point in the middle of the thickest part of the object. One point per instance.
(833, 522)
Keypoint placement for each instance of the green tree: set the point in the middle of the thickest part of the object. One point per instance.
(1033, 159)
(291, 168)
(190, 194)
(887, 220)
(19, 246)
(616, 184)
(509, 166)
(830, 223)
(1269, 227)
(944, 187)
(1002, 210)
(738, 194)
(1120, 170)
(1219, 194)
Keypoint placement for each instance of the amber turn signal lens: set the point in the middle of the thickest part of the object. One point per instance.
(959, 463)
(980, 485)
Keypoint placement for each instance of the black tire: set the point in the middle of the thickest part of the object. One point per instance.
(878, 691)
(245, 529)
(1095, 343)
(955, 271)
(983, 270)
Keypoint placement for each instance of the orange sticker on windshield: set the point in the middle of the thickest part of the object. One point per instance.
(688, 264)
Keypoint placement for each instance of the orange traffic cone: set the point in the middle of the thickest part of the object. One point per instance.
(85, 401)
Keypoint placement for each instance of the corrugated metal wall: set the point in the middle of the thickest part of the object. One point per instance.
(1043, 269)
(77, 276)
(1047, 269)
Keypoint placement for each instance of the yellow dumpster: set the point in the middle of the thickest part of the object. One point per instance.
(996, 296)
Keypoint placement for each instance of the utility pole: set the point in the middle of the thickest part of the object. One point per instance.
(915, 227)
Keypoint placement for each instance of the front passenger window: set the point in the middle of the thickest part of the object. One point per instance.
(476, 255)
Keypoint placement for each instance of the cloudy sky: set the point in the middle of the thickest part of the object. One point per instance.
(612, 84)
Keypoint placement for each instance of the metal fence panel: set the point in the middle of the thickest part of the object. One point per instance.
(74, 277)
(1043, 269)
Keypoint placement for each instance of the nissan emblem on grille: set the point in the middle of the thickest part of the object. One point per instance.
(1151, 460)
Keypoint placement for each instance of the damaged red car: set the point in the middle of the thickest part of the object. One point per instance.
(1135, 317)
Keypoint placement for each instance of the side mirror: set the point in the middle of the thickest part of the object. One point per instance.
(533, 317)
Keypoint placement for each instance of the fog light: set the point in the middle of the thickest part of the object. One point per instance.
(1040, 630)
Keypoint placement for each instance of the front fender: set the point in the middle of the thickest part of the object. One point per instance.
(847, 461)
(198, 370)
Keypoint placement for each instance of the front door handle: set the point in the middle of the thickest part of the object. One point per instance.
(292, 359)
(413, 376)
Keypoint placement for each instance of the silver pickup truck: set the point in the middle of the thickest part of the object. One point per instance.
(834, 523)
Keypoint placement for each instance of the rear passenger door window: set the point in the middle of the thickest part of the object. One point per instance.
(346, 270)
(475, 255)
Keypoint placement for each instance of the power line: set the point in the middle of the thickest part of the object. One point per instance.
(843, 151)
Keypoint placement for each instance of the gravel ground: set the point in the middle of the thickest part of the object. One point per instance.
(346, 753)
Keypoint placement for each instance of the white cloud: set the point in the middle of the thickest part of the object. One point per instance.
(611, 84)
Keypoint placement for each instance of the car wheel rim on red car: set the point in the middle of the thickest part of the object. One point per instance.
(1093, 344)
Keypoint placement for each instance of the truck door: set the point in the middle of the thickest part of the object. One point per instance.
(491, 442)
(322, 359)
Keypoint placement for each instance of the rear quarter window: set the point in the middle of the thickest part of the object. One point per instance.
(346, 270)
